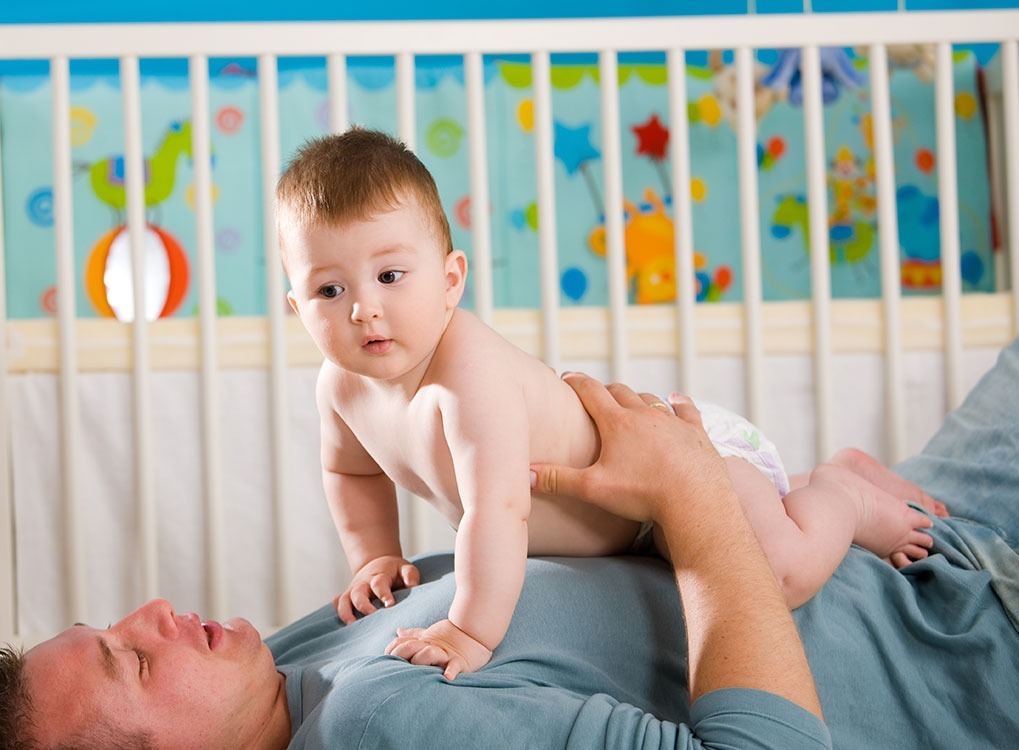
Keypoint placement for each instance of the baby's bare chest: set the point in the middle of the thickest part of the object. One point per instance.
(409, 445)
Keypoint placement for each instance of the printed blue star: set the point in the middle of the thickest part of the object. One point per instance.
(573, 146)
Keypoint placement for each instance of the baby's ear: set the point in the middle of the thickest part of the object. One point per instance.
(456, 277)
(293, 302)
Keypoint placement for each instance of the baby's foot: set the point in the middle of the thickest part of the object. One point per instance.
(889, 527)
(884, 478)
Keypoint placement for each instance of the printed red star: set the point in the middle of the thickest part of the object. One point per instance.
(652, 138)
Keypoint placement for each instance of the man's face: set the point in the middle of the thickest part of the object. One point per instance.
(190, 684)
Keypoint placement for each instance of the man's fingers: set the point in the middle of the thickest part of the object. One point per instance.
(624, 395)
(684, 408)
(552, 479)
(593, 394)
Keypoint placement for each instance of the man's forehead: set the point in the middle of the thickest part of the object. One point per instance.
(57, 675)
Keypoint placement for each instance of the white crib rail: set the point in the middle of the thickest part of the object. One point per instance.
(336, 42)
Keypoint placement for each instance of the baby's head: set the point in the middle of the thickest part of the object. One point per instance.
(351, 177)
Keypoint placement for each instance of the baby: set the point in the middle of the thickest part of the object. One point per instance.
(417, 392)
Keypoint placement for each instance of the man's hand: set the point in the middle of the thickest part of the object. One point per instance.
(654, 458)
(377, 578)
(441, 645)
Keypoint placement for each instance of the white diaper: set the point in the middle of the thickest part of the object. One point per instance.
(734, 435)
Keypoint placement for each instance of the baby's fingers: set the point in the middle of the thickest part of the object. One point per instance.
(344, 608)
(379, 585)
(360, 598)
(410, 575)
(455, 666)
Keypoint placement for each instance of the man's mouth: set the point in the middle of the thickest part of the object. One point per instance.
(213, 633)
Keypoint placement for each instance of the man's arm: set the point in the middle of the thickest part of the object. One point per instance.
(661, 467)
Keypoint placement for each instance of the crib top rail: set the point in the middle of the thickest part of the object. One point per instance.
(151, 40)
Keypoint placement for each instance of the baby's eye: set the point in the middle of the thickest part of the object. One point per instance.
(390, 277)
(331, 291)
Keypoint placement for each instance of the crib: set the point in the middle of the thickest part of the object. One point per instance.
(176, 455)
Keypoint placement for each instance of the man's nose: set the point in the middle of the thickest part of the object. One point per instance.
(155, 616)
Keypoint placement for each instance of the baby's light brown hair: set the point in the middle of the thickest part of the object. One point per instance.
(352, 176)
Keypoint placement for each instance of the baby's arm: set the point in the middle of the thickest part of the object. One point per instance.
(489, 444)
(362, 503)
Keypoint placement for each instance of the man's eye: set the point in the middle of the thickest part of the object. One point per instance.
(390, 277)
(331, 291)
(143, 663)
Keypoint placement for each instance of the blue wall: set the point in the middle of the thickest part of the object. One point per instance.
(75, 11)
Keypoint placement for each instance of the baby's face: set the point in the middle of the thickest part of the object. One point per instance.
(375, 295)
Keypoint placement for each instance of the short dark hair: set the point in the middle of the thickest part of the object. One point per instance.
(351, 176)
(15, 706)
(16, 724)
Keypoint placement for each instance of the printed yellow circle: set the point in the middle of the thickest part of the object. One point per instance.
(698, 189)
(83, 124)
(189, 195)
(711, 113)
(525, 115)
(965, 105)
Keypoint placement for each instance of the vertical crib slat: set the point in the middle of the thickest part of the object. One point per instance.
(750, 235)
(70, 417)
(339, 112)
(208, 332)
(820, 265)
(948, 199)
(276, 305)
(8, 585)
(1010, 96)
(888, 242)
(406, 114)
(481, 235)
(134, 165)
(545, 174)
(612, 155)
(682, 218)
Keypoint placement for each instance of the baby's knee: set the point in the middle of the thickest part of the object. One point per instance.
(852, 458)
(834, 478)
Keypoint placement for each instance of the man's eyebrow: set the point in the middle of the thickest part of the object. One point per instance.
(109, 660)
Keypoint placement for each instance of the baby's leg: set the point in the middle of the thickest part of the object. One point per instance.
(802, 553)
(882, 523)
(806, 535)
(878, 474)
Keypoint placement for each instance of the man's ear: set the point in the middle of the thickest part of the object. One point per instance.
(293, 302)
(456, 277)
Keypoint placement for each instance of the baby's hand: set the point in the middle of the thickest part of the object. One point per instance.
(441, 645)
(377, 578)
